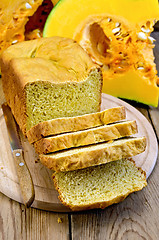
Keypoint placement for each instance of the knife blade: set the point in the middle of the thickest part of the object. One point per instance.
(23, 173)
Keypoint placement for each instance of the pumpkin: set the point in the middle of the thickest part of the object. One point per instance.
(22, 20)
(116, 35)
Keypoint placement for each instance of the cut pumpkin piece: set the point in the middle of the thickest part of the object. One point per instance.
(17, 22)
(116, 35)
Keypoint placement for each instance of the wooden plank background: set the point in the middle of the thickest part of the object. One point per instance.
(135, 218)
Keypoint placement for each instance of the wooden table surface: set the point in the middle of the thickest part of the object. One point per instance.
(137, 217)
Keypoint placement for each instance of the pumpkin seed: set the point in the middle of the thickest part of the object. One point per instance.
(109, 19)
(117, 34)
(28, 6)
(15, 41)
(142, 36)
(116, 30)
(120, 39)
(151, 39)
(117, 24)
(145, 30)
(140, 68)
(125, 35)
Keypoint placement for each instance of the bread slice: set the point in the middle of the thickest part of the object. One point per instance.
(49, 78)
(72, 124)
(83, 157)
(99, 186)
(85, 137)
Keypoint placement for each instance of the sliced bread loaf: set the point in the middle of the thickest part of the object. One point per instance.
(82, 157)
(85, 137)
(99, 186)
(72, 124)
(49, 78)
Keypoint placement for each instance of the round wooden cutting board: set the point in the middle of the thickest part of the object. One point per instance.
(46, 196)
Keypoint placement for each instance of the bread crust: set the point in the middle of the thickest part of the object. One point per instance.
(87, 137)
(102, 204)
(72, 124)
(83, 157)
(15, 94)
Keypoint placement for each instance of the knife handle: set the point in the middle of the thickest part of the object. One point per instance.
(24, 176)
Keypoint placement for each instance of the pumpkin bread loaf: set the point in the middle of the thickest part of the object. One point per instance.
(82, 157)
(73, 124)
(49, 78)
(99, 186)
(85, 137)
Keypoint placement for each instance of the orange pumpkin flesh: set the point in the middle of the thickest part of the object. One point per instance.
(17, 23)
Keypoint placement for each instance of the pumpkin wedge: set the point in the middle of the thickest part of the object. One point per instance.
(22, 20)
(116, 35)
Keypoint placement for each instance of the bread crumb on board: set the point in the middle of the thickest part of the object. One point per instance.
(60, 220)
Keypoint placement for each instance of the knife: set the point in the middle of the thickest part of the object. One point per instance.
(23, 173)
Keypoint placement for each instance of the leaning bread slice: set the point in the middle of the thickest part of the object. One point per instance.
(83, 157)
(72, 124)
(85, 137)
(99, 186)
